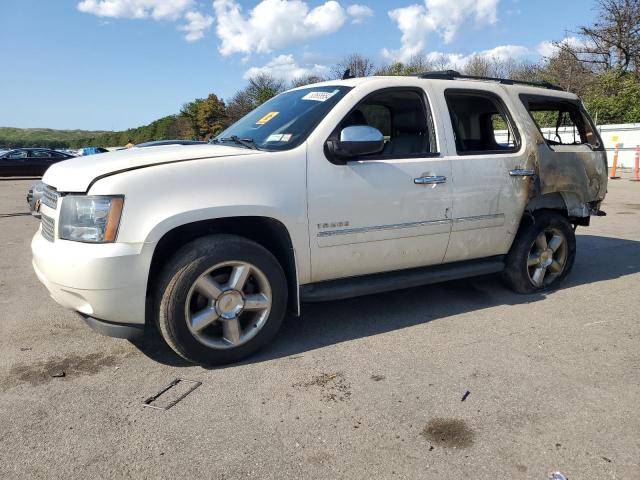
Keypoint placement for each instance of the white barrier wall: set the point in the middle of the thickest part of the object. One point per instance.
(626, 135)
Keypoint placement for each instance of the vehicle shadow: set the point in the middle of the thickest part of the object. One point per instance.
(7, 179)
(322, 324)
(18, 214)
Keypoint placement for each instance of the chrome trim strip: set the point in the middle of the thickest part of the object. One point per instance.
(376, 228)
(478, 218)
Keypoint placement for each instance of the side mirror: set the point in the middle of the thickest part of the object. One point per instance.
(357, 140)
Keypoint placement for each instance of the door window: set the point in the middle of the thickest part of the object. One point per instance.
(403, 118)
(39, 154)
(481, 123)
(561, 122)
(18, 154)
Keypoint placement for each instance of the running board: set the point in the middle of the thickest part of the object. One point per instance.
(398, 279)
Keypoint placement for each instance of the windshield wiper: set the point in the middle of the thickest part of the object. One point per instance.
(245, 142)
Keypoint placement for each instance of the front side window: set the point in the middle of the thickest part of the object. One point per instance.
(286, 120)
(561, 122)
(402, 118)
(480, 123)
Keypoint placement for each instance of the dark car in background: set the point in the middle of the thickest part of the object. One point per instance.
(29, 162)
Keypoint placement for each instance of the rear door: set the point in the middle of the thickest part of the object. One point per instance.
(490, 181)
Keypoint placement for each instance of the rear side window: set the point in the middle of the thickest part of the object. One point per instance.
(561, 122)
(481, 123)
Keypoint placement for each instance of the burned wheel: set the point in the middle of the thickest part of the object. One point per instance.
(220, 299)
(542, 254)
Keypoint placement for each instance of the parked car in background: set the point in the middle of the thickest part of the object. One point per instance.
(29, 161)
(91, 151)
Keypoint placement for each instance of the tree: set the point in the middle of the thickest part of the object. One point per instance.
(239, 105)
(306, 80)
(613, 41)
(417, 64)
(358, 65)
(565, 70)
(211, 117)
(263, 87)
(614, 98)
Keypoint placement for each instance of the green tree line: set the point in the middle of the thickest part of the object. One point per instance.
(601, 65)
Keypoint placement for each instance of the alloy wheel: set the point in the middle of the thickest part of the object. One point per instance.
(547, 257)
(228, 304)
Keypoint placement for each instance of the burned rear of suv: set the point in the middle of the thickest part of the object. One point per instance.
(567, 155)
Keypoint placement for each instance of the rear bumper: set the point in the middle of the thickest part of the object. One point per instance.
(100, 281)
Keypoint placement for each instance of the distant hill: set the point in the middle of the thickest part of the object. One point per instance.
(45, 137)
(172, 126)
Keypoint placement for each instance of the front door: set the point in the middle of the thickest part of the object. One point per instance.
(384, 212)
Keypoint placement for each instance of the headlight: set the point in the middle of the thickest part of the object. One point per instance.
(90, 218)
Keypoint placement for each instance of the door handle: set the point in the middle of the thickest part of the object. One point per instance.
(430, 180)
(521, 172)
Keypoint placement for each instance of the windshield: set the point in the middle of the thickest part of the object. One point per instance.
(284, 121)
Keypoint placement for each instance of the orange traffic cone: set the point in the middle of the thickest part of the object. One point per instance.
(636, 170)
(615, 163)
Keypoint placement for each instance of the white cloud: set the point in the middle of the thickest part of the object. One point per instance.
(286, 68)
(444, 17)
(549, 49)
(196, 25)
(458, 61)
(156, 9)
(159, 10)
(359, 13)
(273, 24)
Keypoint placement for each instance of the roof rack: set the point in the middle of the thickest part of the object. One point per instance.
(453, 75)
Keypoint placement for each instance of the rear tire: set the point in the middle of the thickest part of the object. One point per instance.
(542, 254)
(220, 299)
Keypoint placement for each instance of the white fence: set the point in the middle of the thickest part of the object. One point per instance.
(627, 136)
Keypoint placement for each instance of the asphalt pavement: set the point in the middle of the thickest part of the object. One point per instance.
(460, 380)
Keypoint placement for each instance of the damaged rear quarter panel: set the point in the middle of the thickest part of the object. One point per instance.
(577, 172)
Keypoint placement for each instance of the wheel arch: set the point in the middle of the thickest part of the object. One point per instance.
(266, 231)
(564, 203)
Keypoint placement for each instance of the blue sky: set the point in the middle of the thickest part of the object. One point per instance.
(97, 64)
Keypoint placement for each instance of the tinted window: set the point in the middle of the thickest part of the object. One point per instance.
(39, 154)
(286, 120)
(480, 123)
(561, 122)
(18, 154)
(401, 116)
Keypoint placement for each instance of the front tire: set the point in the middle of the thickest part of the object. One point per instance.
(220, 299)
(542, 254)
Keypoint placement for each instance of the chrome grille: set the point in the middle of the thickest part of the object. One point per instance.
(48, 227)
(50, 198)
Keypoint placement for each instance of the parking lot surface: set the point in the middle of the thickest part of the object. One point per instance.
(363, 388)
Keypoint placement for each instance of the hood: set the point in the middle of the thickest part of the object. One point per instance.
(77, 174)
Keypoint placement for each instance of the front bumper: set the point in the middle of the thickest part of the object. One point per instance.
(116, 330)
(101, 281)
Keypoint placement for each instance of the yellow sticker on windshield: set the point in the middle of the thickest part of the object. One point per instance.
(269, 116)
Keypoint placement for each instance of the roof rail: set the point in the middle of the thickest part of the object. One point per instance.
(453, 75)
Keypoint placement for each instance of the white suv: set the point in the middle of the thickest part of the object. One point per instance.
(328, 191)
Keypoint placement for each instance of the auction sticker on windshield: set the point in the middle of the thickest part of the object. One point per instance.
(319, 96)
(279, 137)
(269, 116)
